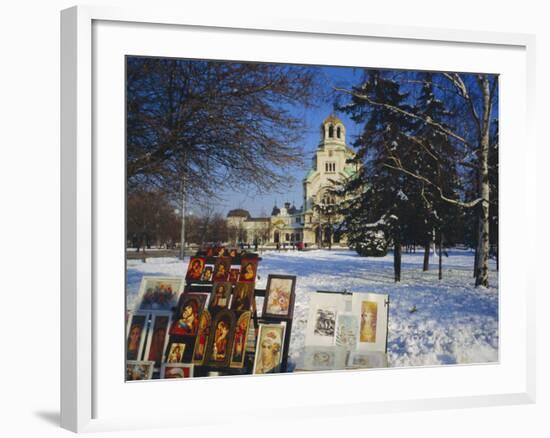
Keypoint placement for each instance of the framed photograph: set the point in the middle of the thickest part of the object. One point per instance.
(269, 348)
(136, 329)
(243, 294)
(186, 322)
(279, 296)
(159, 293)
(220, 296)
(221, 269)
(221, 339)
(102, 169)
(157, 338)
(372, 311)
(201, 342)
(207, 273)
(139, 370)
(248, 269)
(195, 269)
(176, 351)
(176, 370)
(239, 341)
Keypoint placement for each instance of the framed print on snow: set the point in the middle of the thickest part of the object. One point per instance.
(95, 394)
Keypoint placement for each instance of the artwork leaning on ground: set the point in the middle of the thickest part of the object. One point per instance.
(286, 218)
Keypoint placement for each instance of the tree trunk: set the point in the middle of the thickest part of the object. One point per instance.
(482, 275)
(182, 242)
(440, 274)
(397, 260)
(426, 264)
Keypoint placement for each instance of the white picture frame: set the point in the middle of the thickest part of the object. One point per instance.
(93, 394)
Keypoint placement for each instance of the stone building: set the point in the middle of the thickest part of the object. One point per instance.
(314, 223)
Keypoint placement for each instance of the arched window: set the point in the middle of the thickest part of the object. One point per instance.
(338, 132)
(331, 131)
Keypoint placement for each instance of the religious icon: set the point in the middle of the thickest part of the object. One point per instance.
(221, 252)
(269, 349)
(221, 337)
(221, 269)
(187, 318)
(158, 338)
(175, 354)
(221, 293)
(176, 371)
(207, 273)
(279, 296)
(139, 369)
(135, 335)
(248, 269)
(159, 293)
(201, 342)
(239, 341)
(233, 252)
(234, 275)
(367, 331)
(242, 296)
(195, 268)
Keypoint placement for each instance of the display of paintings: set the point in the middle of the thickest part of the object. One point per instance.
(219, 299)
(201, 342)
(157, 339)
(195, 268)
(186, 322)
(159, 293)
(139, 369)
(242, 296)
(175, 353)
(324, 309)
(347, 326)
(207, 273)
(234, 275)
(369, 359)
(239, 341)
(318, 358)
(279, 296)
(221, 269)
(221, 337)
(269, 348)
(372, 312)
(136, 334)
(176, 371)
(248, 269)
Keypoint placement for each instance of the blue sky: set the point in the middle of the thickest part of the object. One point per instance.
(259, 205)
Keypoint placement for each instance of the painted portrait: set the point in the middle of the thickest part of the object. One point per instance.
(269, 349)
(279, 296)
(367, 330)
(175, 353)
(221, 337)
(239, 341)
(201, 342)
(159, 293)
(158, 339)
(176, 371)
(195, 268)
(136, 331)
(234, 275)
(139, 370)
(186, 322)
(346, 330)
(233, 252)
(207, 273)
(219, 299)
(242, 296)
(248, 269)
(221, 269)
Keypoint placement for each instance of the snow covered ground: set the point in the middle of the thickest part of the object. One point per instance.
(454, 322)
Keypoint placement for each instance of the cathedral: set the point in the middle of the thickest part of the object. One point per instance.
(313, 224)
